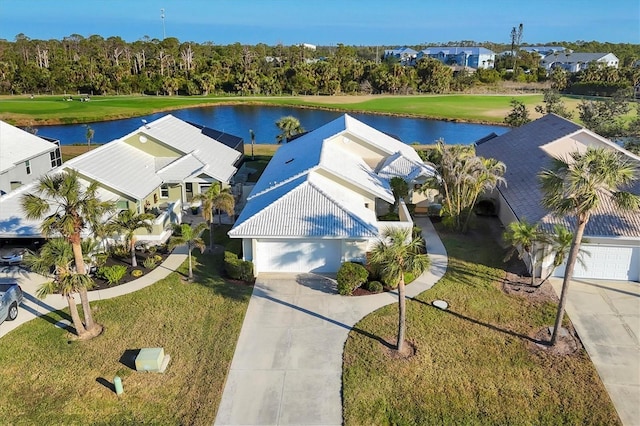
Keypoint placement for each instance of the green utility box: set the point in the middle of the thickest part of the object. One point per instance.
(152, 360)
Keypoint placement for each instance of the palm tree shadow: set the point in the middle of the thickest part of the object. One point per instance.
(484, 324)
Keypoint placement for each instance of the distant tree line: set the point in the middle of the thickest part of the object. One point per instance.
(95, 65)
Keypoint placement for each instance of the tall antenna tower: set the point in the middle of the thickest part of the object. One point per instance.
(162, 17)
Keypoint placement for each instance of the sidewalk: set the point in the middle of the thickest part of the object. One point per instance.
(32, 307)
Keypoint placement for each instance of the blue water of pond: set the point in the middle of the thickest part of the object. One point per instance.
(238, 119)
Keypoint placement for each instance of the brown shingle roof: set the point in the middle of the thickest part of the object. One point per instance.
(521, 151)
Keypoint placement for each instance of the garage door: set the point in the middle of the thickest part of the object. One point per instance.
(298, 255)
(607, 263)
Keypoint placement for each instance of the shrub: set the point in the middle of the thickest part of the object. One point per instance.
(137, 273)
(375, 287)
(152, 249)
(237, 269)
(150, 263)
(416, 232)
(157, 258)
(113, 274)
(351, 276)
(121, 250)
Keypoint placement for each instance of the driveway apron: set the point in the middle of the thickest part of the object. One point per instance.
(287, 366)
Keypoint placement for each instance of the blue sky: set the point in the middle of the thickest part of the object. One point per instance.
(326, 22)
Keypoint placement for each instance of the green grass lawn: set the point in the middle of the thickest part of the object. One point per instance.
(47, 379)
(21, 110)
(473, 364)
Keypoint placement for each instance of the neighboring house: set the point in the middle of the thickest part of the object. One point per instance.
(613, 236)
(636, 91)
(405, 55)
(542, 51)
(318, 201)
(24, 157)
(157, 168)
(574, 62)
(471, 57)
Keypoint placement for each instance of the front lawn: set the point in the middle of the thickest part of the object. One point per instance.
(46, 378)
(476, 363)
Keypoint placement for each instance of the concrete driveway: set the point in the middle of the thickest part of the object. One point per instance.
(287, 366)
(606, 316)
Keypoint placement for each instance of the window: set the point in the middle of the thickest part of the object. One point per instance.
(56, 159)
(188, 187)
(164, 191)
(122, 205)
(27, 164)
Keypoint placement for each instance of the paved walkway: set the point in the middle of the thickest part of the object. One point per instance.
(606, 316)
(287, 366)
(32, 307)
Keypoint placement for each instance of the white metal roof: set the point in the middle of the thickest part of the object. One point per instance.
(120, 166)
(18, 146)
(314, 189)
(398, 165)
(188, 138)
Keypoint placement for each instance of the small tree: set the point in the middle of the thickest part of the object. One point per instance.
(215, 198)
(289, 126)
(89, 135)
(400, 189)
(528, 241)
(191, 238)
(253, 141)
(519, 114)
(553, 105)
(128, 222)
(395, 254)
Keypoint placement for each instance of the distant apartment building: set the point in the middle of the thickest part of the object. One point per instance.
(468, 57)
(574, 62)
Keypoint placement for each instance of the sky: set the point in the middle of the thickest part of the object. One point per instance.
(326, 22)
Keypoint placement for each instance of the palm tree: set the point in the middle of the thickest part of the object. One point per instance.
(217, 198)
(395, 254)
(576, 186)
(66, 208)
(462, 177)
(89, 135)
(128, 222)
(253, 141)
(191, 238)
(528, 237)
(57, 254)
(560, 246)
(289, 126)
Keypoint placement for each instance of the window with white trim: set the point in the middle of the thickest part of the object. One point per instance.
(27, 164)
(164, 191)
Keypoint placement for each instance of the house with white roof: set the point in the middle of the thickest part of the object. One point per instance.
(24, 157)
(157, 168)
(405, 55)
(612, 236)
(319, 200)
(577, 61)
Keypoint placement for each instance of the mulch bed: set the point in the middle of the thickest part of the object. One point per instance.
(101, 284)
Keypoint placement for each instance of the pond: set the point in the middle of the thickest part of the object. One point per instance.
(238, 119)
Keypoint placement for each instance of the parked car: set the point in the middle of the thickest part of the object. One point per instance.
(10, 298)
(14, 257)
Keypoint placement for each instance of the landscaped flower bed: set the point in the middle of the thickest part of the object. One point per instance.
(116, 263)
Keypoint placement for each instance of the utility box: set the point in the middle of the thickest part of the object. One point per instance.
(152, 360)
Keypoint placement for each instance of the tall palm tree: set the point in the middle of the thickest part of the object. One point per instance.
(289, 126)
(576, 186)
(128, 222)
(191, 238)
(67, 208)
(57, 255)
(396, 253)
(217, 198)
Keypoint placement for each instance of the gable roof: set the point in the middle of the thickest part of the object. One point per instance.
(18, 146)
(456, 50)
(187, 138)
(309, 188)
(574, 57)
(528, 149)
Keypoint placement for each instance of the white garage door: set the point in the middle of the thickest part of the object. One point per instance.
(607, 263)
(298, 255)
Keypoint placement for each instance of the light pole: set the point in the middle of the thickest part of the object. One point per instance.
(162, 17)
